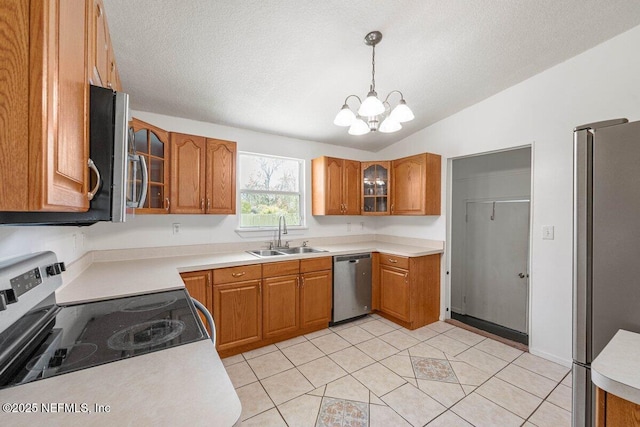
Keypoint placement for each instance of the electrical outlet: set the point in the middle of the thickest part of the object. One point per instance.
(176, 227)
(547, 232)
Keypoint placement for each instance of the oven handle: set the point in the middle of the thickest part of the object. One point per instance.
(207, 315)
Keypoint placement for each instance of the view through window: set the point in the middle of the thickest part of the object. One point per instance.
(270, 187)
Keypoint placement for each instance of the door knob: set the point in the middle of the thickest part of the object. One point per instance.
(521, 275)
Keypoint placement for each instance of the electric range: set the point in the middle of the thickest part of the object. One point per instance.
(39, 339)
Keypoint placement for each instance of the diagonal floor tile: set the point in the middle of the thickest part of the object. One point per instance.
(269, 364)
(351, 359)
(425, 350)
(467, 337)
(377, 349)
(321, 371)
(467, 374)
(482, 360)
(379, 379)
(228, 361)
(499, 350)
(447, 344)
(421, 334)
(290, 342)
(433, 369)
(270, 418)
(401, 365)
(383, 416)
(347, 388)
(301, 411)
(330, 343)
(549, 414)
(480, 411)
(440, 327)
(449, 419)
(286, 385)
(376, 327)
(527, 380)
(413, 405)
(302, 353)
(254, 400)
(561, 397)
(259, 351)
(339, 412)
(399, 339)
(509, 397)
(241, 374)
(355, 335)
(541, 366)
(447, 394)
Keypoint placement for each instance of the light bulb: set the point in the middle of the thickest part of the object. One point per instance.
(345, 116)
(371, 106)
(402, 113)
(389, 125)
(358, 127)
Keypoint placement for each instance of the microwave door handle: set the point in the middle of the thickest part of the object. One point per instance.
(133, 159)
(145, 181)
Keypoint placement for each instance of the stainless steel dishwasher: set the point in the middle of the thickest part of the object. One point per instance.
(351, 286)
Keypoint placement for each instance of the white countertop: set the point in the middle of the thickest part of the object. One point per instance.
(122, 278)
(183, 385)
(179, 386)
(616, 370)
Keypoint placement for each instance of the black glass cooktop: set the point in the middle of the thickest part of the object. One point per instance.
(85, 335)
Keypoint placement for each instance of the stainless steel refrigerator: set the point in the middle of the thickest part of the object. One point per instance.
(606, 254)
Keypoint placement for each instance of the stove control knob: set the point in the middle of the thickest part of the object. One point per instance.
(55, 269)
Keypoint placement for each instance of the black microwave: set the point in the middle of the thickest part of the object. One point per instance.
(115, 188)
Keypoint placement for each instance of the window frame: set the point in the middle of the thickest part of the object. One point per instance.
(301, 193)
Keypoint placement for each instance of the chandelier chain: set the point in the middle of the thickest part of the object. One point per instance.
(373, 69)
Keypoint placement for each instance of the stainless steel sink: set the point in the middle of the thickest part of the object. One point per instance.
(301, 250)
(263, 253)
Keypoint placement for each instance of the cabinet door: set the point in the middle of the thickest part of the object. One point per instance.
(220, 177)
(333, 191)
(237, 312)
(152, 143)
(351, 187)
(187, 174)
(280, 305)
(394, 292)
(198, 284)
(315, 298)
(375, 188)
(416, 185)
(99, 48)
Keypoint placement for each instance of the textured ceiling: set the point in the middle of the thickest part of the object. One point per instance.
(285, 67)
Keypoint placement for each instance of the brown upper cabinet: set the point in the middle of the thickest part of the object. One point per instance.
(152, 143)
(375, 188)
(335, 186)
(415, 185)
(44, 106)
(203, 175)
(103, 70)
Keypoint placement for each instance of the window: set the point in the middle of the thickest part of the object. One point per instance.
(270, 187)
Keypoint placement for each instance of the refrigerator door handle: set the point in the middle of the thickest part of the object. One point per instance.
(582, 236)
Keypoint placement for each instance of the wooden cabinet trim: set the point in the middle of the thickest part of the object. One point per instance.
(237, 274)
(394, 260)
(281, 268)
(316, 264)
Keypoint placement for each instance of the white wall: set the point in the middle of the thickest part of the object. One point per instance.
(156, 230)
(496, 176)
(69, 243)
(601, 83)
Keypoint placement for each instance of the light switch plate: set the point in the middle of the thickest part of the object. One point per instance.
(547, 232)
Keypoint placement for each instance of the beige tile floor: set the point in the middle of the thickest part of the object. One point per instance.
(372, 372)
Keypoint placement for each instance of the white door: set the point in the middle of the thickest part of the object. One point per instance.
(496, 253)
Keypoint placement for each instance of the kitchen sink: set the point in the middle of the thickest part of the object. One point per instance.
(263, 253)
(301, 250)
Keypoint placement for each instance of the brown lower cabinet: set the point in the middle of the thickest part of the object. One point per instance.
(407, 290)
(259, 304)
(614, 411)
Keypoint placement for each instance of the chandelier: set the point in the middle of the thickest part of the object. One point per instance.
(374, 115)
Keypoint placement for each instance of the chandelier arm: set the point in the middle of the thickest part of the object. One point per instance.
(355, 96)
(391, 93)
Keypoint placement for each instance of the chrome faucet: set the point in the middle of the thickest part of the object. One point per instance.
(282, 229)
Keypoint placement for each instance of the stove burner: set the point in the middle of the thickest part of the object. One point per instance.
(145, 335)
(68, 356)
(148, 303)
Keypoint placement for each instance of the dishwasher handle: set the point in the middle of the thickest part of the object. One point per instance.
(212, 326)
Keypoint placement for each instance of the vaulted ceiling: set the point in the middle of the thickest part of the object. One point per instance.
(285, 67)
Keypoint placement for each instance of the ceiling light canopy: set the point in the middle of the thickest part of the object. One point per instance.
(374, 115)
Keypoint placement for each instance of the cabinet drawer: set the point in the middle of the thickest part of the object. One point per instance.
(236, 274)
(283, 268)
(315, 264)
(394, 261)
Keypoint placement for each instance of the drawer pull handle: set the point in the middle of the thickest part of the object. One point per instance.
(393, 261)
(239, 274)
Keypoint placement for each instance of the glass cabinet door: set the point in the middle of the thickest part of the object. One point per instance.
(153, 144)
(375, 188)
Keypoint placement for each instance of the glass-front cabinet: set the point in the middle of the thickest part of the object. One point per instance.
(375, 188)
(153, 144)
